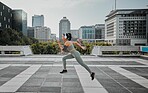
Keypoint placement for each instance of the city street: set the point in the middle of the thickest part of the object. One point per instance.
(40, 74)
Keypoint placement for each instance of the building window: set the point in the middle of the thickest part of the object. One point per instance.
(4, 18)
(3, 7)
(8, 10)
(1, 13)
(0, 25)
(9, 20)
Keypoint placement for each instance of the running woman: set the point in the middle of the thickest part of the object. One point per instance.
(73, 53)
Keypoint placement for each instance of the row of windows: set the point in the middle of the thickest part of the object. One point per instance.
(1, 14)
(134, 22)
(89, 31)
(110, 32)
(6, 19)
(7, 26)
(133, 18)
(132, 37)
(111, 24)
(134, 15)
(7, 10)
(88, 36)
(109, 35)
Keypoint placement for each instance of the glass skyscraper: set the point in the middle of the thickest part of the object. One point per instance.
(64, 27)
(20, 21)
(38, 20)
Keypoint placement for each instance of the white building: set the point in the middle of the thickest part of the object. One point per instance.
(37, 20)
(53, 37)
(127, 27)
(42, 33)
(75, 34)
(64, 27)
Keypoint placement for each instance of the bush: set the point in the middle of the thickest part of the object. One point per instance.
(45, 48)
(53, 48)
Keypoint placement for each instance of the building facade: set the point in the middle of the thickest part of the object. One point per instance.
(87, 33)
(53, 37)
(100, 31)
(19, 22)
(75, 34)
(42, 33)
(30, 32)
(64, 27)
(127, 27)
(5, 16)
(38, 20)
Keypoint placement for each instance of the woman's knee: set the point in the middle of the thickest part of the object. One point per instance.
(64, 59)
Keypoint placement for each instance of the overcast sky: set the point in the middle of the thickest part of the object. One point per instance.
(79, 12)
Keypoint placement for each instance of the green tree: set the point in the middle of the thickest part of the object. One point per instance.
(12, 37)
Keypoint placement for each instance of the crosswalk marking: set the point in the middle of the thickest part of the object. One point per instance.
(88, 85)
(136, 78)
(2, 66)
(142, 61)
(15, 83)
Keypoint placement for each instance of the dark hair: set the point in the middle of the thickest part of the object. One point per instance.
(68, 36)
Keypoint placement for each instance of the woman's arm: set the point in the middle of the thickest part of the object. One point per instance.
(84, 48)
(60, 46)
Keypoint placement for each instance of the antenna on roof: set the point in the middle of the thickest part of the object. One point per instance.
(115, 4)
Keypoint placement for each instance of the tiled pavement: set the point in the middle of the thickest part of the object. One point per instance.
(40, 74)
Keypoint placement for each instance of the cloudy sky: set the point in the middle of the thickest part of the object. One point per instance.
(79, 12)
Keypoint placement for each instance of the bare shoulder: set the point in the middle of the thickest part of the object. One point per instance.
(74, 42)
(67, 43)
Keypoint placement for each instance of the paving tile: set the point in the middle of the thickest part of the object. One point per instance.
(138, 90)
(53, 80)
(51, 84)
(117, 90)
(71, 80)
(72, 89)
(72, 84)
(28, 89)
(94, 90)
(50, 89)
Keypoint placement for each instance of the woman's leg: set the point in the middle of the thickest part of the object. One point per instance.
(69, 56)
(80, 61)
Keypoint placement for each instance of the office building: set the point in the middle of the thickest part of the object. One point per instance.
(127, 27)
(100, 31)
(75, 34)
(38, 20)
(64, 27)
(5, 16)
(30, 32)
(53, 37)
(19, 22)
(87, 33)
(42, 33)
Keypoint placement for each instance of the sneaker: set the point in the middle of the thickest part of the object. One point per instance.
(64, 71)
(92, 76)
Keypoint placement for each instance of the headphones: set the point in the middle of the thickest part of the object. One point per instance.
(65, 35)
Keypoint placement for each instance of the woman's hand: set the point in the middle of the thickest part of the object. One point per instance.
(84, 48)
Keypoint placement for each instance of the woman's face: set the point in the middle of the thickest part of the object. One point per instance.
(63, 38)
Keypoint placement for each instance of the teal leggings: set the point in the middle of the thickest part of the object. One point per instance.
(76, 55)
